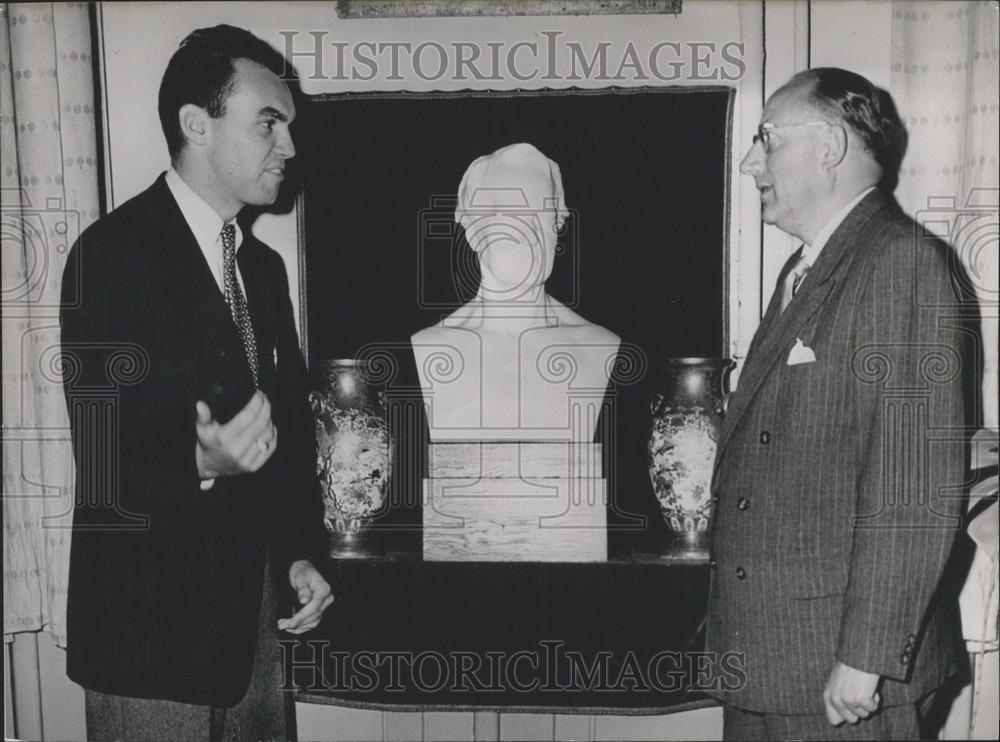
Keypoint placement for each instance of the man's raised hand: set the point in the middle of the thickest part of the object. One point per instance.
(242, 445)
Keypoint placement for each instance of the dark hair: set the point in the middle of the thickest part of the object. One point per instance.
(867, 109)
(201, 72)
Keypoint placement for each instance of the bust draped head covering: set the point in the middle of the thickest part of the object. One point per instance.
(515, 178)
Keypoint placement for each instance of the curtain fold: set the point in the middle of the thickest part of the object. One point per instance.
(945, 78)
(48, 195)
(946, 81)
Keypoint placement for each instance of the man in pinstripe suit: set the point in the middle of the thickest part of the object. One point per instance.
(837, 467)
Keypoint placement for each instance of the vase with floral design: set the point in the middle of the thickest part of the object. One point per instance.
(686, 419)
(353, 450)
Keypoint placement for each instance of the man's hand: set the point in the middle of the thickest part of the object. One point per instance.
(850, 694)
(242, 445)
(314, 595)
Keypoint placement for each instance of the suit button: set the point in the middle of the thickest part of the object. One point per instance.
(712, 563)
(741, 574)
(904, 658)
(743, 504)
(765, 437)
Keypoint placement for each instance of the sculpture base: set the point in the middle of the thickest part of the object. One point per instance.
(506, 502)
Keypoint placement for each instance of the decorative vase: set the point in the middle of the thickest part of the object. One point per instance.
(687, 416)
(353, 451)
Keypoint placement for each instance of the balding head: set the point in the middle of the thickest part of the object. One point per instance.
(865, 110)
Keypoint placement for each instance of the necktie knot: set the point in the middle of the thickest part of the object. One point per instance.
(799, 271)
(229, 239)
(793, 278)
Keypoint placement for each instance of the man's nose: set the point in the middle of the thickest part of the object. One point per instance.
(752, 162)
(286, 148)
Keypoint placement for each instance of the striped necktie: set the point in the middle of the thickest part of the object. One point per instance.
(793, 278)
(236, 301)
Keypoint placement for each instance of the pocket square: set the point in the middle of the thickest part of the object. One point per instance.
(800, 353)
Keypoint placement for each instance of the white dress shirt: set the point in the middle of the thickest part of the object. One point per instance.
(206, 225)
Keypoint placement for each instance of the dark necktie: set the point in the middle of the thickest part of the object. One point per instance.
(236, 301)
(792, 280)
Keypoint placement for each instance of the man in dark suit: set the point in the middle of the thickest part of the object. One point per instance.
(195, 463)
(838, 470)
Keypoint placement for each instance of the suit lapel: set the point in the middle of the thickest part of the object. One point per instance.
(778, 331)
(223, 368)
(773, 312)
(749, 376)
(196, 283)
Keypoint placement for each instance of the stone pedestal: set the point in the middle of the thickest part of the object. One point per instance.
(515, 501)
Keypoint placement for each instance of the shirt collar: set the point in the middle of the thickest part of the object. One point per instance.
(811, 252)
(205, 223)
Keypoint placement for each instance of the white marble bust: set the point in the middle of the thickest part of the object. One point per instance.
(514, 363)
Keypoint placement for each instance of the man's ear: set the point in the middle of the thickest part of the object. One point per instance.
(834, 146)
(194, 123)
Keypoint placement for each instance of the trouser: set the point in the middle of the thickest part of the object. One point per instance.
(264, 713)
(893, 723)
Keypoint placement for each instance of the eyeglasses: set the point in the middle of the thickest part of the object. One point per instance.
(766, 128)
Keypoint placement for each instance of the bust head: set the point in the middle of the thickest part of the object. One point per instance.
(491, 369)
(511, 205)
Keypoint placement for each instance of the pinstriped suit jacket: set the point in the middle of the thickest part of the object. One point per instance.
(834, 518)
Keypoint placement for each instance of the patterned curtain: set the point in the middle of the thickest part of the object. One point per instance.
(49, 184)
(945, 80)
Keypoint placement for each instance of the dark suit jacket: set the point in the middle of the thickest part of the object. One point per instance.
(834, 515)
(165, 579)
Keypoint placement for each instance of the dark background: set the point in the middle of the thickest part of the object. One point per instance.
(645, 175)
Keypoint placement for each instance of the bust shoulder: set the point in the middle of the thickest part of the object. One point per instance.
(580, 329)
(448, 331)
(426, 336)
